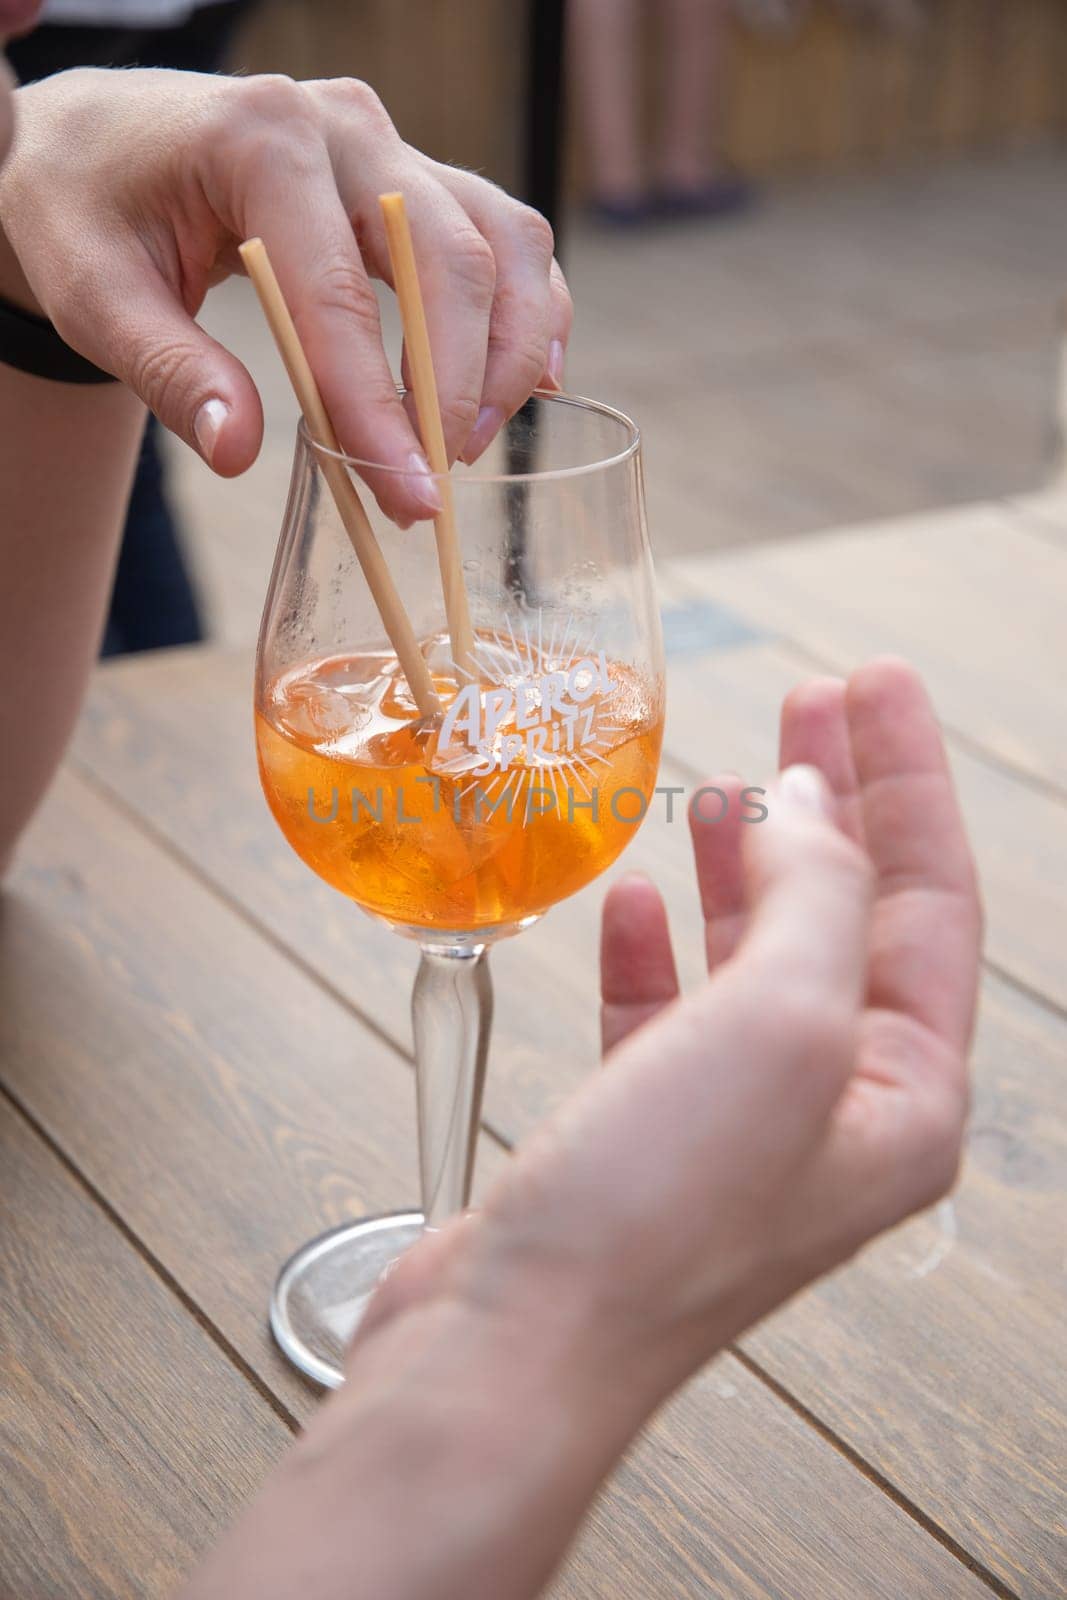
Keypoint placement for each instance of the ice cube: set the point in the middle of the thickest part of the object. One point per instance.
(313, 712)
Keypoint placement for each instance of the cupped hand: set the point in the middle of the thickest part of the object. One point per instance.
(749, 1137)
(127, 194)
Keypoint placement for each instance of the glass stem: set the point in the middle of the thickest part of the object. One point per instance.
(451, 1011)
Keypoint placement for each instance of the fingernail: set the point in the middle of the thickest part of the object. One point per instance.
(487, 425)
(805, 789)
(554, 364)
(634, 879)
(208, 424)
(420, 481)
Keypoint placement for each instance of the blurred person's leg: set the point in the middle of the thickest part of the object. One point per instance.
(152, 601)
(604, 45)
(693, 46)
(692, 181)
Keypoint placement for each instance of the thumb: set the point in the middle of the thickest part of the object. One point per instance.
(128, 320)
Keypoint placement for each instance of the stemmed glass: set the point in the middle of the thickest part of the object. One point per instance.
(465, 827)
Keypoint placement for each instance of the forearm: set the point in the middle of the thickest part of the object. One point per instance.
(66, 462)
(456, 1464)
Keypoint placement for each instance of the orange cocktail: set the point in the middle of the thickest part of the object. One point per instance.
(527, 786)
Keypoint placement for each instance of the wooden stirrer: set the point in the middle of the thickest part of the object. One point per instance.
(424, 385)
(357, 525)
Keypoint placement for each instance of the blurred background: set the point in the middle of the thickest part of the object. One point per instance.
(818, 247)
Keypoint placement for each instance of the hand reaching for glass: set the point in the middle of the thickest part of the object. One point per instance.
(738, 1143)
(747, 1138)
(175, 169)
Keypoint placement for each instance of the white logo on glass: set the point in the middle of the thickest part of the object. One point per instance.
(531, 706)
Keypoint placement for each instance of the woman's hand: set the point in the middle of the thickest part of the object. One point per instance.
(746, 1139)
(127, 194)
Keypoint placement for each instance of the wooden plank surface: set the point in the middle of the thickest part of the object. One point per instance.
(214, 1094)
(722, 711)
(224, 1105)
(128, 1440)
(937, 1356)
(973, 597)
(700, 1509)
(143, 736)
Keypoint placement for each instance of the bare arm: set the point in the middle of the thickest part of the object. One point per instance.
(456, 1463)
(66, 462)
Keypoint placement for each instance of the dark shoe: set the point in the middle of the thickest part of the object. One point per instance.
(620, 213)
(724, 197)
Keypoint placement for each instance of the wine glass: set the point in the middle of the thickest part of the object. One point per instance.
(464, 827)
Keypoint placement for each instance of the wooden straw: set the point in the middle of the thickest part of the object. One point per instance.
(379, 579)
(424, 385)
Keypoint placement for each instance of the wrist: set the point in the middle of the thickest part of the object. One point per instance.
(607, 1322)
(496, 1387)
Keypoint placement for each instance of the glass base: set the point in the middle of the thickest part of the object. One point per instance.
(459, 941)
(322, 1291)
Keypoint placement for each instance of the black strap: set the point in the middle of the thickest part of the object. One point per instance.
(32, 344)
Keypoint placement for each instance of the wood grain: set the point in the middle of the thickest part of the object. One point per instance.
(937, 1355)
(695, 1512)
(225, 1105)
(219, 1099)
(171, 737)
(1019, 832)
(127, 1438)
(971, 596)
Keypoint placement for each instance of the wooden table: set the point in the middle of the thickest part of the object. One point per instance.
(205, 1058)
